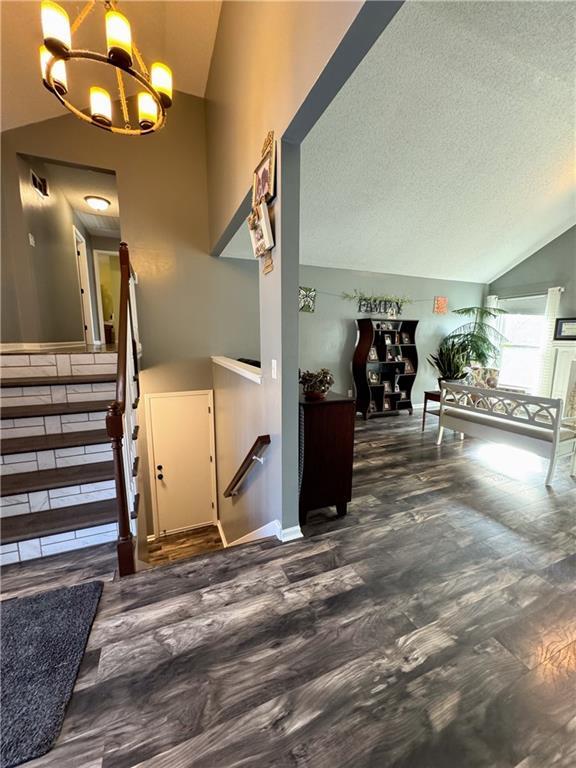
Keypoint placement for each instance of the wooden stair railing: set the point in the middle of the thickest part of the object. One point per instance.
(253, 456)
(115, 418)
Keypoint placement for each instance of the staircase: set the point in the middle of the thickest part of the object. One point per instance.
(58, 490)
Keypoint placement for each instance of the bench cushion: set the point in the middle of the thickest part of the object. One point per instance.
(528, 430)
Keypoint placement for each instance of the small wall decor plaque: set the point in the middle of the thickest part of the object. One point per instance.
(260, 230)
(440, 305)
(306, 299)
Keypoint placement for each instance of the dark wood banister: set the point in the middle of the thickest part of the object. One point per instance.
(253, 455)
(115, 421)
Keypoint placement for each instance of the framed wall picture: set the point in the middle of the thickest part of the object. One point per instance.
(306, 299)
(565, 329)
(373, 355)
(264, 178)
(440, 305)
(408, 367)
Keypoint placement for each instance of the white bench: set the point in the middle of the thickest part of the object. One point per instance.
(524, 421)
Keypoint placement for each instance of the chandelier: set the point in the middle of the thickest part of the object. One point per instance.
(155, 86)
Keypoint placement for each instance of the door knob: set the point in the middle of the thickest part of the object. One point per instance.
(160, 477)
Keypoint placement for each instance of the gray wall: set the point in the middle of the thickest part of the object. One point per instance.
(46, 274)
(239, 419)
(246, 98)
(328, 336)
(190, 305)
(553, 265)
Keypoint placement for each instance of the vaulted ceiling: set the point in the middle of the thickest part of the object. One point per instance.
(180, 33)
(450, 150)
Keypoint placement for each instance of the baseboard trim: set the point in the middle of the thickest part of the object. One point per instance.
(264, 532)
(16, 346)
(222, 534)
(289, 534)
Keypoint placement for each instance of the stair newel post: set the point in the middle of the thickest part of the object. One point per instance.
(124, 546)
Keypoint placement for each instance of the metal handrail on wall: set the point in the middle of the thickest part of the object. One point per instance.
(119, 421)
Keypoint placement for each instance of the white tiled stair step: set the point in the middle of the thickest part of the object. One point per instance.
(59, 482)
(30, 420)
(47, 425)
(56, 498)
(60, 457)
(77, 364)
(44, 546)
(65, 393)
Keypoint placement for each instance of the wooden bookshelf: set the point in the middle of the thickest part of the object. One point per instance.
(385, 365)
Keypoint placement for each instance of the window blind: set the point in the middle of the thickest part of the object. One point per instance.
(547, 351)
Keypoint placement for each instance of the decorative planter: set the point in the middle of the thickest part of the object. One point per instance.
(314, 395)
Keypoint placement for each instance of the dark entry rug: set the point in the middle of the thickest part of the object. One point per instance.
(42, 643)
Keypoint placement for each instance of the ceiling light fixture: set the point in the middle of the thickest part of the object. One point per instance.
(97, 203)
(155, 87)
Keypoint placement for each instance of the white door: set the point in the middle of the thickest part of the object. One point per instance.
(181, 454)
(82, 262)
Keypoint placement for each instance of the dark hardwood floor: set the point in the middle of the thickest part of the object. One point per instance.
(433, 627)
(179, 546)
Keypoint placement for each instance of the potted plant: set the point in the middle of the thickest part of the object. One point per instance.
(315, 384)
(479, 338)
(450, 360)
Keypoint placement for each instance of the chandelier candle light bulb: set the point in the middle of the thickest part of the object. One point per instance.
(58, 71)
(100, 106)
(147, 110)
(161, 78)
(118, 38)
(55, 28)
(154, 87)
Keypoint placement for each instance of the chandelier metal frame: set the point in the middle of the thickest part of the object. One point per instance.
(142, 77)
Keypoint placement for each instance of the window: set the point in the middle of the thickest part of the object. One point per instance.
(520, 353)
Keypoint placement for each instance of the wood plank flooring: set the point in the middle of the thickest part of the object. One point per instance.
(180, 546)
(433, 627)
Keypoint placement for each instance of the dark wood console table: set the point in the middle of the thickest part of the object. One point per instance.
(326, 453)
(434, 396)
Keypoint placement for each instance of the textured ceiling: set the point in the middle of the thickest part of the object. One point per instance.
(182, 33)
(76, 183)
(450, 151)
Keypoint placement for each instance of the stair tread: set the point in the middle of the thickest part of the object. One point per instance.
(47, 479)
(45, 381)
(52, 409)
(52, 521)
(12, 445)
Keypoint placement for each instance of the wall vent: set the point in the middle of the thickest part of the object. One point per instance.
(39, 184)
